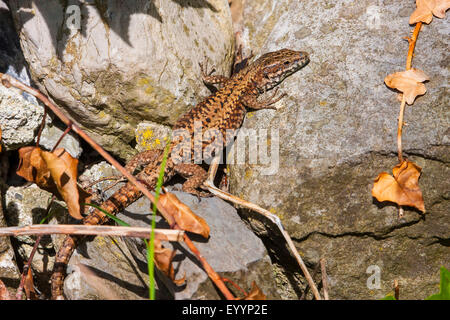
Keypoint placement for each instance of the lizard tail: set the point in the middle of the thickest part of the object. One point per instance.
(116, 203)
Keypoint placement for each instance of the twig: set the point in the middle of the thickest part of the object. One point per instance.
(235, 285)
(323, 271)
(209, 270)
(138, 232)
(26, 269)
(69, 127)
(305, 292)
(412, 45)
(209, 183)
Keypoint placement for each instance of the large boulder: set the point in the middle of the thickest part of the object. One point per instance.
(111, 66)
(337, 132)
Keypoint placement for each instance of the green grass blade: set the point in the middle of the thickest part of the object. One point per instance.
(151, 247)
(119, 222)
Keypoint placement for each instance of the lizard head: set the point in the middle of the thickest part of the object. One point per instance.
(276, 66)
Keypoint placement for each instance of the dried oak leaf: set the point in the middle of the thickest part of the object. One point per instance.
(255, 293)
(55, 172)
(183, 215)
(402, 188)
(163, 260)
(409, 82)
(427, 8)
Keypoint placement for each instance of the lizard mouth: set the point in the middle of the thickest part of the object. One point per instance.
(301, 61)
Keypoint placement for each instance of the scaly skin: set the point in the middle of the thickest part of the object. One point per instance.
(223, 110)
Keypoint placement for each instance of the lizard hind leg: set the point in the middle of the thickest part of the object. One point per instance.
(195, 175)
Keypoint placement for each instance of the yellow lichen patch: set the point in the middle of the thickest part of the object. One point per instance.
(248, 173)
(250, 114)
(323, 103)
(143, 81)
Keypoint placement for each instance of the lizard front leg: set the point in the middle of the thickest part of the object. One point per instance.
(208, 78)
(251, 101)
(195, 176)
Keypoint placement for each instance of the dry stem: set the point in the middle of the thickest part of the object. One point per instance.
(79, 229)
(323, 270)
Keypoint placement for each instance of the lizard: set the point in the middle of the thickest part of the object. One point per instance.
(223, 110)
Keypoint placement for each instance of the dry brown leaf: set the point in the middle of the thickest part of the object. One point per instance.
(55, 172)
(409, 82)
(427, 8)
(163, 260)
(63, 169)
(183, 215)
(4, 293)
(28, 286)
(255, 294)
(34, 169)
(402, 188)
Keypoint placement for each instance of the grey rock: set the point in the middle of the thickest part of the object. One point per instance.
(125, 64)
(19, 119)
(51, 134)
(12, 61)
(337, 132)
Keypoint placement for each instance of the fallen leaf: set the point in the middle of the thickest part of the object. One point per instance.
(34, 169)
(427, 8)
(55, 172)
(28, 286)
(255, 293)
(183, 215)
(4, 293)
(163, 260)
(63, 169)
(440, 8)
(408, 82)
(402, 188)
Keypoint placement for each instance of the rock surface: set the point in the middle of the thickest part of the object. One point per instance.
(337, 132)
(119, 65)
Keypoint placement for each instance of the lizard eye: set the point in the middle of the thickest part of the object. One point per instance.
(286, 63)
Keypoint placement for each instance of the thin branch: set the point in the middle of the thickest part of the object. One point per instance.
(209, 183)
(323, 271)
(26, 269)
(69, 127)
(138, 232)
(412, 44)
(209, 270)
(399, 129)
